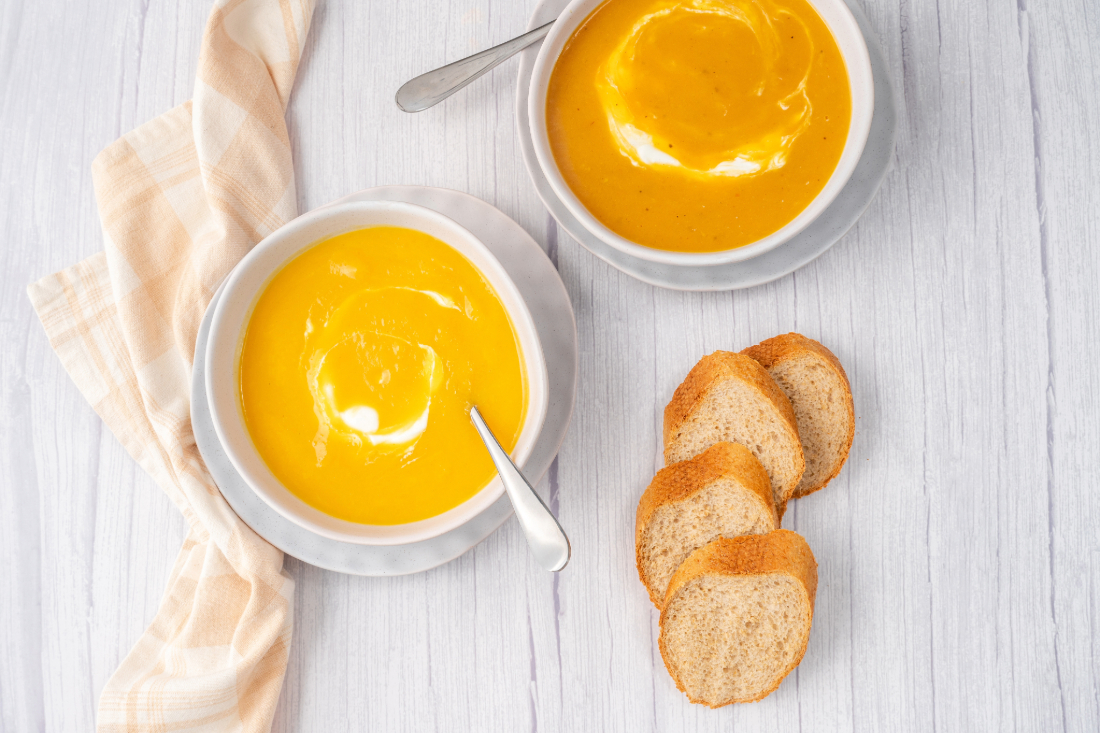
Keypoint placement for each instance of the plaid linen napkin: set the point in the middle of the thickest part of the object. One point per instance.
(182, 199)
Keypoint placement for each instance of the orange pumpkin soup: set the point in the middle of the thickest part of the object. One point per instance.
(698, 125)
(358, 368)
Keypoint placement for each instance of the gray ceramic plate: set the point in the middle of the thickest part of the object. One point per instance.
(812, 242)
(546, 298)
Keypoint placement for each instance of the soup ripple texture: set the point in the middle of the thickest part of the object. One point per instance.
(702, 125)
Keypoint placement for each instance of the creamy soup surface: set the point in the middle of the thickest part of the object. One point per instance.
(698, 125)
(359, 365)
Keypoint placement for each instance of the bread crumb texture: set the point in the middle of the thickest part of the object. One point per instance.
(722, 492)
(814, 381)
(730, 397)
(737, 617)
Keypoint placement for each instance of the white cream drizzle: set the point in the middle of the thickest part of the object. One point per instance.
(361, 423)
(765, 153)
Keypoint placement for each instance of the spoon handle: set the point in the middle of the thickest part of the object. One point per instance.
(545, 536)
(433, 87)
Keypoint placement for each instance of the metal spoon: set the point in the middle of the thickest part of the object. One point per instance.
(430, 89)
(545, 536)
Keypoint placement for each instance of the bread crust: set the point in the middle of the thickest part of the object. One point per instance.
(721, 365)
(778, 349)
(779, 552)
(682, 480)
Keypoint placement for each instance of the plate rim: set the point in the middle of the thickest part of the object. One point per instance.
(390, 560)
(767, 267)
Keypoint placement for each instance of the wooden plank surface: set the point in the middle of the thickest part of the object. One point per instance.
(959, 551)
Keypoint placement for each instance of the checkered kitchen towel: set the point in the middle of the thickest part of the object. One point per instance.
(182, 199)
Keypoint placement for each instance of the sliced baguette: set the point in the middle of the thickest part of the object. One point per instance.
(815, 383)
(730, 397)
(722, 492)
(737, 617)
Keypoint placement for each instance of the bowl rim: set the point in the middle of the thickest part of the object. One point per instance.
(243, 287)
(853, 48)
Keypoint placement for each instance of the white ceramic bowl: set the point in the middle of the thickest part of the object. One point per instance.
(845, 30)
(241, 291)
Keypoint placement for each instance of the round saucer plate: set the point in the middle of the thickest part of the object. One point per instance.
(822, 233)
(548, 301)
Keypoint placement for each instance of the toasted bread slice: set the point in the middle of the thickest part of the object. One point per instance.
(722, 492)
(815, 383)
(737, 617)
(730, 397)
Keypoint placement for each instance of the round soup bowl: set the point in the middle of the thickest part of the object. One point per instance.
(243, 288)
(853, 49)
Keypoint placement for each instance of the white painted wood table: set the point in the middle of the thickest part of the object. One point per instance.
(959, 550)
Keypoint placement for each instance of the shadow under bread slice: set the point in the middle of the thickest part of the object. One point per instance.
(722, 492)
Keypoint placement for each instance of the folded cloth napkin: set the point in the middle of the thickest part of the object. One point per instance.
(182, 199)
